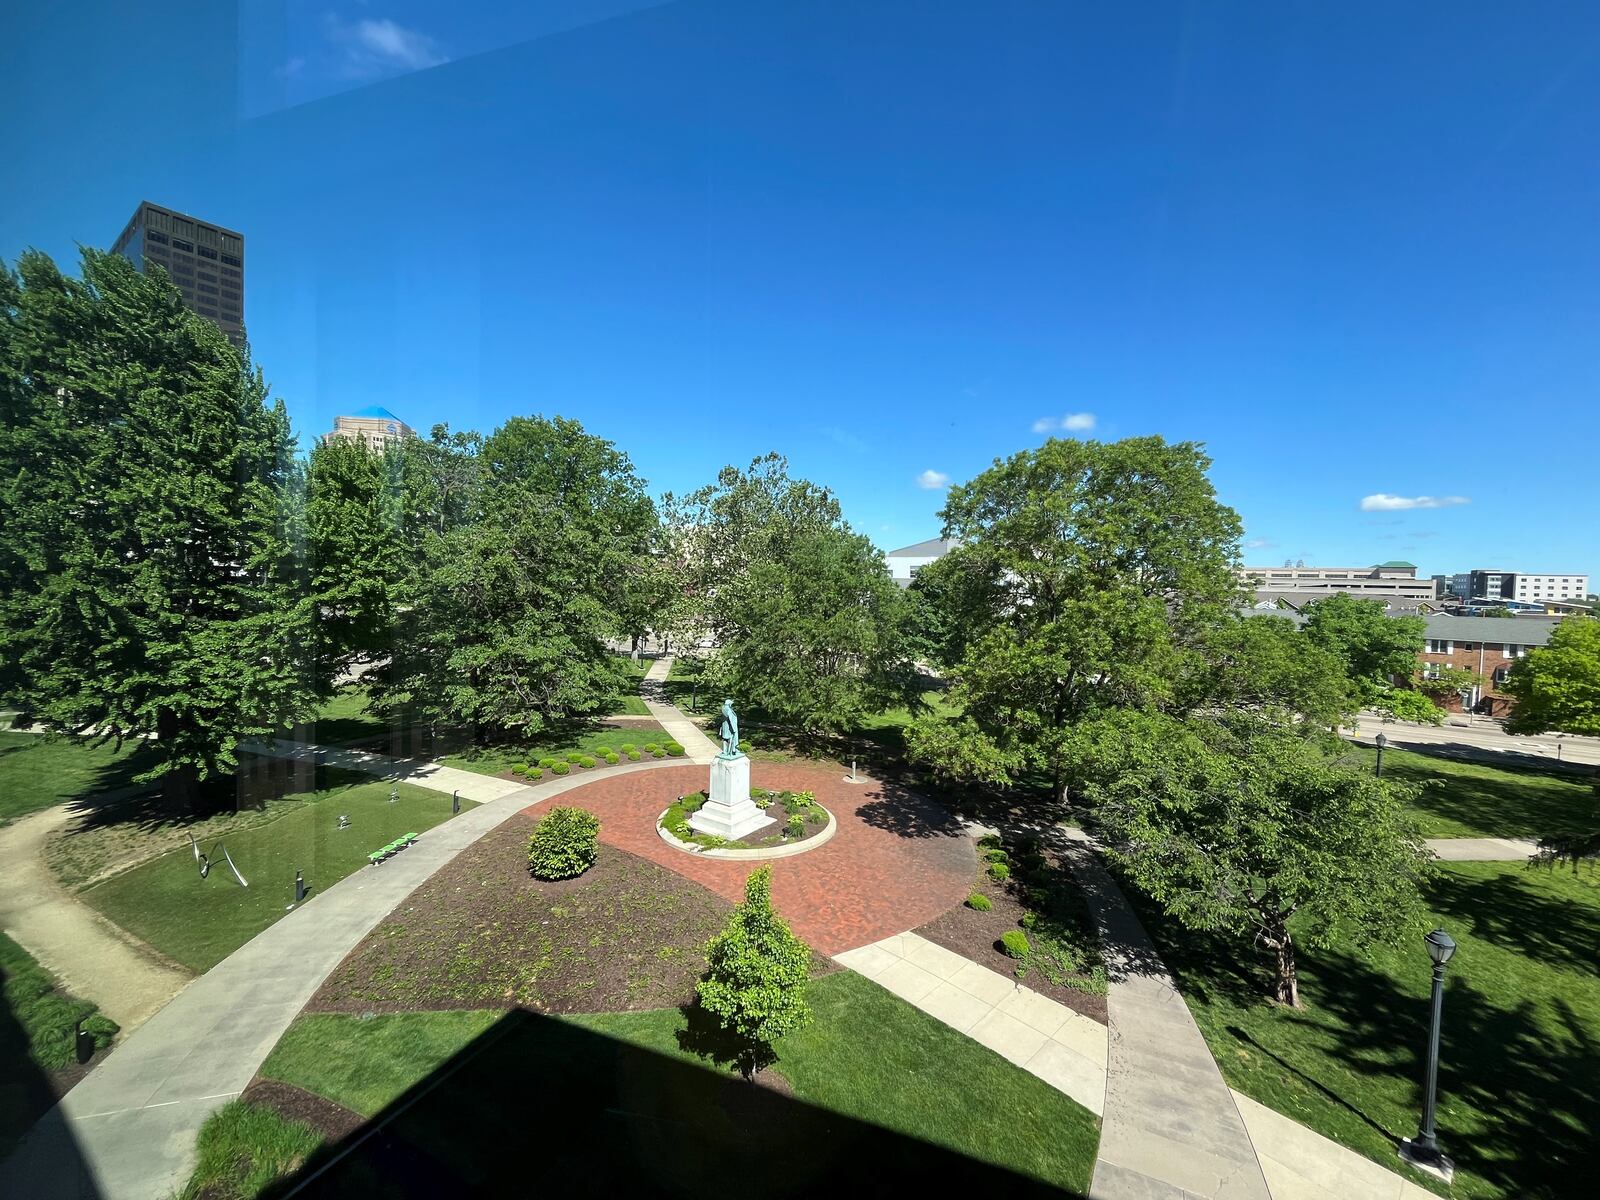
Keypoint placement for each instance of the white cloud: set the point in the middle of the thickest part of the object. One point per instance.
(933, 480)
(1071, 423)
(1258, 544)
(373, 47)
(1383, 502)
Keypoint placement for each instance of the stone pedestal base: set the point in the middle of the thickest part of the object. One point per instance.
(729, 812)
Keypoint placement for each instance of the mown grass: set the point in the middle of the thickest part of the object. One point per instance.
(198, 922)
(1518, 1104)
(39, 772)
(242, 1148)
(1471, 799)
(36, 1028)
(495, 760)
(634, 1087)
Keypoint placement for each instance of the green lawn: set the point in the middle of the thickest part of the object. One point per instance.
(198, 922)
(37, 772)
(630, 702)
(873, 1080)
(1518, 1102)
(1471, 799)
(36, 1037)
(241, 1149)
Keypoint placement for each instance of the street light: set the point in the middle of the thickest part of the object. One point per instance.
(1422, 1151)
(1380, 742)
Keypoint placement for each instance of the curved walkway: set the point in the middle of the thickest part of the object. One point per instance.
(128, 1130)
(94, 959)
(698, 747)
(1486, 849)
(896, 861)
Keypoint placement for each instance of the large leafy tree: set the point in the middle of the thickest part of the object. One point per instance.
(1375, 647)
(1557, 687)
(505, 628)
(148, 546)
(810, 627)
(1248, 828)
(1086, 577)
(1265, 665)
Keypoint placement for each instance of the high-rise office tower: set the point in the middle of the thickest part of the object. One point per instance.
(204, 260)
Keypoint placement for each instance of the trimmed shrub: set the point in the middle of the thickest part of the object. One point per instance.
(1015, 943)
(999, 872)
(989, 841)
(521, 768)
(996, 856)
(633, 756)
(745, 746)
(628, 747)
(585, 761)
(547, 762)
(564, 843)
(533, 773)
(1029, 920)
(612, 759)
(980, 902)
(674, 749)
(651, 747)
(575, 758)
(560, 768)
(658, 753)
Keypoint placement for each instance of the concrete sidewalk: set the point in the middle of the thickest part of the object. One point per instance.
(1064, 1048)
(696, 745)
(1482, 849)
(127, 1132)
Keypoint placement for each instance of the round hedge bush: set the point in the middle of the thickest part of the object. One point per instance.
(745, 746)
(658, 753)
(560, 768)
(634, 756)
(575, 758)
(980, 902)
(999, 872)
(564, 843)
(585, 761)
(611, 758)
(628, 747)
(1015, 943)
(547, 762)
(651, 747)
(675, 749)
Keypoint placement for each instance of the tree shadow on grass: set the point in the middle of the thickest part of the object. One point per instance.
(537, 1106)
(1512, 912)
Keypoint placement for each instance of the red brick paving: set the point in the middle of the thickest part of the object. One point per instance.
(896, 862)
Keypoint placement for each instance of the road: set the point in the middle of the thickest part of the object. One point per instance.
(1479, 738)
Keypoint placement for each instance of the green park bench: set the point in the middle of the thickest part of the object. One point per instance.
(394, 847)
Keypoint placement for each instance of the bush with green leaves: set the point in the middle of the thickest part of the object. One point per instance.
(763, 801)
(744, 746)
(547, 762)
(651, 747)
(989, 841)
(575, 757)
(675, 749)
(521, 768)
(795, 826)
(1405, 705)
(533, 773)
(1015, 943)
(658, 753)
(585, 761)
(627, 747)
(979, 902)
(693, 802)
(612, 758)
(560, 768)
(999, 872)
(756, 976)
(564, 843)
(996, 855)
(633, 756)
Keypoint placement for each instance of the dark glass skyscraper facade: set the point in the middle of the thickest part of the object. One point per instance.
(205, 261)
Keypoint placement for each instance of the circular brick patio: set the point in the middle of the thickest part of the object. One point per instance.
(897, 861)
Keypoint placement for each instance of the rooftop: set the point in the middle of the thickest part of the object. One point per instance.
(931, 548)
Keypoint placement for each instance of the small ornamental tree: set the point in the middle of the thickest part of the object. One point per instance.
(564, 843)
(1405, 705)
(757, 977)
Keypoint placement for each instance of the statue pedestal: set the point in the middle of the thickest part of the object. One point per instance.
(729, 812)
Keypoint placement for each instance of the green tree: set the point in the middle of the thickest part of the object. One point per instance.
(1445, 680)
(1375, 647)
(1248, 829)
(1557, 687)
(152, 583)
(756, 976)
(505, 630)
(811, 629)
(1267, 666)
(1086, 573)
(1403, 704)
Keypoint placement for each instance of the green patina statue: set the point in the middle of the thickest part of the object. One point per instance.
(729, 731)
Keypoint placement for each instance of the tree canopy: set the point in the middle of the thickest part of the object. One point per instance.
(1084, 573)
(1557, 687)
(1375, 647)
(151, 576)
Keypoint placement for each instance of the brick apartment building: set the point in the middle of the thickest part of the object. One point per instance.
(1486, 646)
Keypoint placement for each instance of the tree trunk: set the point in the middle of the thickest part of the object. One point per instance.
(1288, 977)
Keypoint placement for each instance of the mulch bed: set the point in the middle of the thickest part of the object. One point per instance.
(975, 935)
(772, 835)
(482, 933)
(332, 1121)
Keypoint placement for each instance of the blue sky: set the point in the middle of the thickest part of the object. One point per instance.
(1353, 248)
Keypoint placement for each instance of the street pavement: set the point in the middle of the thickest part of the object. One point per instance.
(1479, 738)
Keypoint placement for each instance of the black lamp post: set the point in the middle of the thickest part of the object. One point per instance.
(1423, 1150)
(1380, 742)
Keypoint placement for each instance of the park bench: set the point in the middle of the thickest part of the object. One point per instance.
(394, 847)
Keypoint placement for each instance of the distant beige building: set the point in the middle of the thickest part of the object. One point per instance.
(375, 428)
(1394, 583)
